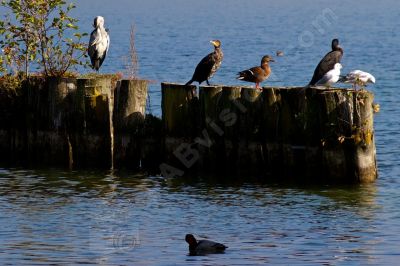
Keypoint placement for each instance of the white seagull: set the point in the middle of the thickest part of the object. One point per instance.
(99, 43)
(330, 77)
(358, 77)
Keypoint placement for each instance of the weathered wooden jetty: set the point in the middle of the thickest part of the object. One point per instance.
(297, 133)
(282, 133)
(88, 122)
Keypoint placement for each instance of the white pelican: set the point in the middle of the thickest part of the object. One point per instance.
(358, 77)
(330, 77)
(99, 43)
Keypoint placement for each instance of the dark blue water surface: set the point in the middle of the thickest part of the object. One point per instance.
(55, 217)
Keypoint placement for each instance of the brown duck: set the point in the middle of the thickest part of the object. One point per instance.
(259, 73)
(208, 65)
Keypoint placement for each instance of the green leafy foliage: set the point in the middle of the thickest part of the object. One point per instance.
(40, 31)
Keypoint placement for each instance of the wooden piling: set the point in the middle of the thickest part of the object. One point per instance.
(14, 116)
(179, 112)
(129, 120)
(180, 119)
(348, 146)
(52, 134)
(295, 133)
(364, 138)
(46, 107)
(219, 113)
(303, 134)
(92, 137)
(130, 104)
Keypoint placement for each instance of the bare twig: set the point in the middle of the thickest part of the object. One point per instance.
(132, 63)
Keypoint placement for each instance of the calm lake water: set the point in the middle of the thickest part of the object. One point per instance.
(51, 216)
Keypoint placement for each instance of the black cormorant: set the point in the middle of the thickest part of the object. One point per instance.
(208, 65)
(328, 62)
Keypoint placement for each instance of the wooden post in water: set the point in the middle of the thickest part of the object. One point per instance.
(19, 120)
(348, 146)
(60, 94)
(28, 120)
(47, 107)
(219, 107)
(130, 104)
(180, 119)
(70, 122)
(92, 137)
(129, 120)
(364, 138)
(284, 133)
(178, 109)
(209, 98)
(250, 150)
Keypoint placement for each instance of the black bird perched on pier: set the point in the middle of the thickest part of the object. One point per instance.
(203, 247)
(328, 62)
(208, 65)
(259, 73)
(98, 44)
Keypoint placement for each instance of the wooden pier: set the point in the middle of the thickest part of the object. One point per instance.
(294, 133)
(275, 133)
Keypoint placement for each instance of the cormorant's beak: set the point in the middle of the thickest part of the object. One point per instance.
(271, 60)
(213, 43)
